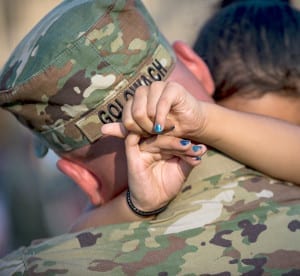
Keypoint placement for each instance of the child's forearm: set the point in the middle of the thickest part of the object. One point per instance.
(266, 144)
(114, 211)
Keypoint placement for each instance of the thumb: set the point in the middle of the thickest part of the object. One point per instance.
(114, 129)
(132, 148)
(185, 168)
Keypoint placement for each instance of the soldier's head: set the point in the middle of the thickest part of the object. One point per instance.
(74, 72)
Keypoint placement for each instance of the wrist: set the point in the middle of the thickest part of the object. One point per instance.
(140, 212)
(212, 122)
(199, 122)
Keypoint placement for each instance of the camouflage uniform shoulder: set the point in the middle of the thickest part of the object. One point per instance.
(235, 222)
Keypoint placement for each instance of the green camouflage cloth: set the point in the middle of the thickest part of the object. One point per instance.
(227, 220)
(79, 65)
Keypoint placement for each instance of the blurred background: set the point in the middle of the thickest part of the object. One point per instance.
(36, 200)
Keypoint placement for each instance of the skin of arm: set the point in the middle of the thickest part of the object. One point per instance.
(106, 214)
(269, 145)
(157, 169)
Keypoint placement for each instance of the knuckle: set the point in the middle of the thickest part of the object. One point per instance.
(151, 114)
(173, 84)
(157, 85)
(129, 124)
(138, 113)
(141, 90)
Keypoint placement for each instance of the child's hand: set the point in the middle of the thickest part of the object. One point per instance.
(163, 106)
(157, 166)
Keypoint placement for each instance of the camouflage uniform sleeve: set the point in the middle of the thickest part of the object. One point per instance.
(237, 222)
(13, 263)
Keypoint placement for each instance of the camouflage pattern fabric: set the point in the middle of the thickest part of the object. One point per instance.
(79, 65)
(227, 220)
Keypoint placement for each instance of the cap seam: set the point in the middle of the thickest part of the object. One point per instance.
(73, 43)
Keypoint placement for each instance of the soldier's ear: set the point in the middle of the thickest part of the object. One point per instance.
(195, 64)
(82, 177)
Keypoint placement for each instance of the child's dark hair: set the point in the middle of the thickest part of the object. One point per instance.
(252, 47)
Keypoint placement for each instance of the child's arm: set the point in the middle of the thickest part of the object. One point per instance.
(157, 168)
(266, 144)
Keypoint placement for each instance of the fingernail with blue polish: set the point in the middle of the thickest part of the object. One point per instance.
(197, 158)
(196, 148)
(157, 128)
(184, 142)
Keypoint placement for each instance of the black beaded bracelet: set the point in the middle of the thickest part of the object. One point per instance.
(140, 212)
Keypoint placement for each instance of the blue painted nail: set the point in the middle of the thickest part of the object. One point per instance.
(197, 158)
(157, 128)
(184, 142)
(196, 148)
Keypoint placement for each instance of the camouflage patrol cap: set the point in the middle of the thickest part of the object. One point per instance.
(77, 67)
